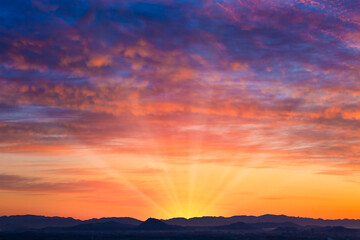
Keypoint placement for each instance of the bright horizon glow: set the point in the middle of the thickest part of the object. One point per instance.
(180, 109)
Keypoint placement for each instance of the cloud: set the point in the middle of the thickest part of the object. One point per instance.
(10, 182)
(74, 171)
(170, 78)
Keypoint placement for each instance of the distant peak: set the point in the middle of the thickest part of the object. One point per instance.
(153, 220)
(155, 224)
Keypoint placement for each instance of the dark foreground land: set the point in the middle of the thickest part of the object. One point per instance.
(267, 227)
(164, 235)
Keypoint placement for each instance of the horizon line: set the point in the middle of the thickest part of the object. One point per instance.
(319, 218)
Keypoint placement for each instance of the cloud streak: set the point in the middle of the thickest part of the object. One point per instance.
(168, 84)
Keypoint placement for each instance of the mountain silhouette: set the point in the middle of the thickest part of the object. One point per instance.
(236, 226)
(25, 222)
(221, 221)
(33, 222)
(338, 229)
(265, 225)
(101, 226)
(257, 226)
(152, 224)
(28, 222)
(122, 220)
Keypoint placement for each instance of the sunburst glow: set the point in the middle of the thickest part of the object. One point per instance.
(180, 108)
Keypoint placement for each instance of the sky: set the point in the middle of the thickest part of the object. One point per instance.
(180, 108)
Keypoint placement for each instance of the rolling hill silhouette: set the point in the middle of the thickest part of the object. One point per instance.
(38, 227)
(25, 222)
(152, 224)
(236, 226)
(256, 226)
(122, 220)
(221, 221)
(28, 222)
(33, 222)
(101, 226)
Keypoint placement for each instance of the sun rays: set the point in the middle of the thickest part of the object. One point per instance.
(179, 108)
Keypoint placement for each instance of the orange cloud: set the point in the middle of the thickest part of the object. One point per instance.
(99, 61)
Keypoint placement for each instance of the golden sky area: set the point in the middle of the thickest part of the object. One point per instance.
(180, 108)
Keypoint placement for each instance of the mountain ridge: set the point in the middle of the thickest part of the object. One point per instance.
(303, 221)
(28, 222)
